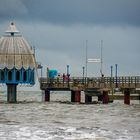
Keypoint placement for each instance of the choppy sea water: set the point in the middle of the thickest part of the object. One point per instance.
(32, 119)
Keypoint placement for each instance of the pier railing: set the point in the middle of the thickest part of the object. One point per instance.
(90, 82)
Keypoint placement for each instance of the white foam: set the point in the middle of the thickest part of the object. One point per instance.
(70, 129)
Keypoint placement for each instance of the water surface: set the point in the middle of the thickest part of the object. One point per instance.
(32, 119)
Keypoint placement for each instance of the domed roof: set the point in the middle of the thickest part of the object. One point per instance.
(15, 51)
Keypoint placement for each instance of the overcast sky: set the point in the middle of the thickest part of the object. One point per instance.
(59, 29)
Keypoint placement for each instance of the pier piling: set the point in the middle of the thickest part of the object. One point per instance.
(76, 96)
(11, 93)
(127, 96)
(88, 99)
(100, 98)
(47, 95)
(105, 97)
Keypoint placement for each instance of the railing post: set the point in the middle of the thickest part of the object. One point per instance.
(129, 81)
(122, 82)
(119, 81)
(135, 82)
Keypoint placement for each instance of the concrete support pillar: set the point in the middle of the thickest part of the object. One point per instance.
(72, 96)
(47, 95)
(11, 93)
(76, 96)
(88, 99)
(127, 96)
(100, 98)
(105, 97)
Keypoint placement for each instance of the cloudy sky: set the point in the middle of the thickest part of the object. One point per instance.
(59, 29)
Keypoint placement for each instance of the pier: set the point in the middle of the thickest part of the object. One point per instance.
(92, 86)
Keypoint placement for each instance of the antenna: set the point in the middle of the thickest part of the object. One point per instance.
(101, 70)
(86, 55)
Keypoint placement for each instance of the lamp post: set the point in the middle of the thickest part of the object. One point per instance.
(86, 60)
(116, 66)
(83, 74)
(111, 83)
(68, 75)
(101, 70)
(67, 69)
(111, 71)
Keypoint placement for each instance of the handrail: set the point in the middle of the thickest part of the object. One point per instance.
(111, 82)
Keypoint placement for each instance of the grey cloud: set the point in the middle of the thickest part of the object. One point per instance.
(102, 12)
(12, 9)
(57, 46)
(121, 44)
(86, 11)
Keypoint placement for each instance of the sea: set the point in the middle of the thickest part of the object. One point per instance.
(33, 119)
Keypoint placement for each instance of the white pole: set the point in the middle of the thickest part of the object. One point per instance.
(101, 57)
(86, 56)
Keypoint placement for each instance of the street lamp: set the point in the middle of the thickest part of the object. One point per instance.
(111, 82)
(111, 71)
(68, 75)
(67, 70)
(116, 66)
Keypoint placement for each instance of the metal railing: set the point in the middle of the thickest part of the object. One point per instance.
(94, 82)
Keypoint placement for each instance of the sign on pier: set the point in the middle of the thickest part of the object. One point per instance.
(91, 60)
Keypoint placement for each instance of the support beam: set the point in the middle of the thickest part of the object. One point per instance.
(47, 96)
(76, 96)
(105, 97)
(88, 99)
(127, 96)
(11, 93)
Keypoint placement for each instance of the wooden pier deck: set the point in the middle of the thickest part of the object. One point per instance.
(128, 82)
(97, 86)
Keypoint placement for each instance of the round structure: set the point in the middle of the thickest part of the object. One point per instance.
(17, 61)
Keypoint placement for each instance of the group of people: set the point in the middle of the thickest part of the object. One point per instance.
(64, 76)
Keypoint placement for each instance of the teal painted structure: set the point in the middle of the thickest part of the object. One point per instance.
(15, 76)
(52, 73)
